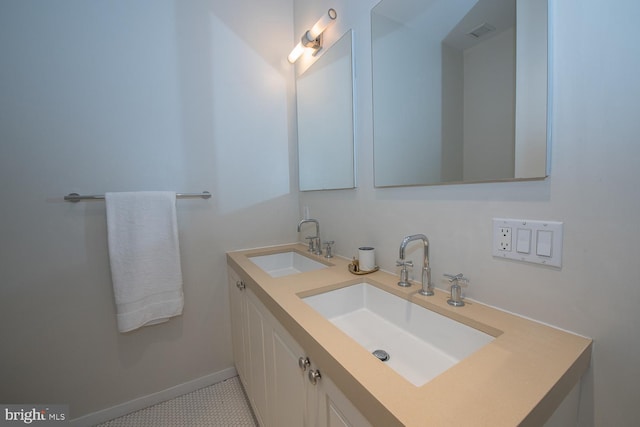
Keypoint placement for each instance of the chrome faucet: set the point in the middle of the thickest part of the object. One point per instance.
(314, 241)
(427, 287)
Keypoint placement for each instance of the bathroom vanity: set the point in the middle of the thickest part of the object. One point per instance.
(299, 367)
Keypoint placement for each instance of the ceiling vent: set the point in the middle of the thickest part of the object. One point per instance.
(481, 30)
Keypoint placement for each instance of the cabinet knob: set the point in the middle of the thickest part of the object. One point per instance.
(304, 363)
(240, 285)
(314, 376)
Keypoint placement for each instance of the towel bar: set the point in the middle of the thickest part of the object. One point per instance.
(75, 197)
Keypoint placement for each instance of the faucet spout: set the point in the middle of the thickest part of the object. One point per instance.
(427, 287)
(314, 241)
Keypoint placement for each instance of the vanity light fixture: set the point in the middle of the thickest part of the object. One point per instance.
(313, 38)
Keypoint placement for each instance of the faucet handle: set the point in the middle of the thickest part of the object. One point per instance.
(404, 273)
(455, 278)
(456, 291)
(402, 263)
(328, 245)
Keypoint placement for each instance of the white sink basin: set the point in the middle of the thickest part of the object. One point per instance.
(286, 263)
(421, 343)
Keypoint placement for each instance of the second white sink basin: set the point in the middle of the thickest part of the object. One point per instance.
(421, 344)
(286, 263)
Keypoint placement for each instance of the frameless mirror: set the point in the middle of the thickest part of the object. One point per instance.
(460, 91)
(325, 120)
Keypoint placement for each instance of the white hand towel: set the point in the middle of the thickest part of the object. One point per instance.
(145, 257)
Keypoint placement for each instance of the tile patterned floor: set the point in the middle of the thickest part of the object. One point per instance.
(224, 404)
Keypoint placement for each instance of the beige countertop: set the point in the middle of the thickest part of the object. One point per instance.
(520, 378)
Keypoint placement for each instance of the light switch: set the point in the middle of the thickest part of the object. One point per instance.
(544, 243)
(523, 240)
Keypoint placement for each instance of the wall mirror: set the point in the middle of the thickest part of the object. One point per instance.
(460, 91)
(325, 120)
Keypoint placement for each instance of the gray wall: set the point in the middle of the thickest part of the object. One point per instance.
(121, 96)
(593, 188)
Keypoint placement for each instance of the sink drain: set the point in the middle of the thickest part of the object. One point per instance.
(381, 354)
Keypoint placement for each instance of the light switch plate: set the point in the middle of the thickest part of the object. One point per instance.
(544, 244)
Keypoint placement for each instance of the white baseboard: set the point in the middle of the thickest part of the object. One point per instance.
(145, 401)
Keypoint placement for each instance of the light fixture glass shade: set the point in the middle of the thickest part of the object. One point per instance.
(295, 53)
(322, 24)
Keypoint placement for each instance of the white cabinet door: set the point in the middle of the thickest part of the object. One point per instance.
(287, 386)
(257, 330)
(238, 323)
(334, 409)
(294, 399)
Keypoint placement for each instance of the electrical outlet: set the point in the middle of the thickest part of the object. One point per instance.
(504, 239)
